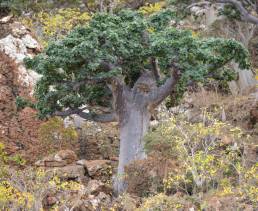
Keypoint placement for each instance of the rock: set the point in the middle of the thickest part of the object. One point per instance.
(50, 163)
(67, 155)
(114, 158)
(19, 30)
(60, 159)
(6, 19)
(51, 200)
(100, 202)
(70, 172)
(96, 197)
(95, 167)
(101, 199)
(94, 187)
(29, 42)
(18, 45)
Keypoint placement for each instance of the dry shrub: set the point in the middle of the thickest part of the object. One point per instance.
(55, 136)
(211, 157)
(99, 141)
(238, 110)
(166, 203)
(145, 177)
(204, 98)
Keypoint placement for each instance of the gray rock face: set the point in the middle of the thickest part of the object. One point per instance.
(18, 45)
(245, 84)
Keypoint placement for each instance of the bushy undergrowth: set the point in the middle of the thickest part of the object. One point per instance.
(54, 135)
(26, 189)
(209, 157)
(57, 24)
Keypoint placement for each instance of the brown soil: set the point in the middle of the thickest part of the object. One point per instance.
(18, 129)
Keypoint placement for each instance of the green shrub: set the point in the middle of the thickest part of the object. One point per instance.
(210, 157)
(54, 135)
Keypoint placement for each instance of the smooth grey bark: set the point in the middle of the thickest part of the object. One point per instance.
(134, 111)
(132, 132)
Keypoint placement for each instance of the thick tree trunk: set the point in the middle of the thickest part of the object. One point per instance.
(132, 130)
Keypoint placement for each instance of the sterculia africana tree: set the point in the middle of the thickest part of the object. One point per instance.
(128, 64)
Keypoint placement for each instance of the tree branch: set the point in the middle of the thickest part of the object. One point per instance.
(245, 15)
(109, 117)
(155, 67)
(75, 85)
(199, 4)
(159, 94)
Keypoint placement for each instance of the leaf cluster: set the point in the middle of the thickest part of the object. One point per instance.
(74, 70)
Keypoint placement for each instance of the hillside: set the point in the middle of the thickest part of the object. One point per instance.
(128, 105)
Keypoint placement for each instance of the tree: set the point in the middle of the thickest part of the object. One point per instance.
(248, 9)
(126, 65)
(245, 10)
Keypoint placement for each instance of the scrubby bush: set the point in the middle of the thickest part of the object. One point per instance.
(210, 156)
(152, 8)
(55, 136)
(19, 7)
(56, 24)
(161, 202)
(26, 189)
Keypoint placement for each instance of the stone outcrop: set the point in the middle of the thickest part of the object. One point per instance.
(94, 187)
(98, 141)
(17, 45)
(93, 194)
(18, 128)
(60, 159)
(94, 167)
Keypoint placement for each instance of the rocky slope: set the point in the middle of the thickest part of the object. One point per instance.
(18, 129)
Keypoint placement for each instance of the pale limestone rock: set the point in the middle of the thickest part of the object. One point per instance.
(30, 42)
(14, 47)
(6, 19)
(17, 46)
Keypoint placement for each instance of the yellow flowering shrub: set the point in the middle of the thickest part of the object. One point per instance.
(210, 154)
(11, 195)
(26, 189)
(58, 24)
(161, 202)
(152, 8)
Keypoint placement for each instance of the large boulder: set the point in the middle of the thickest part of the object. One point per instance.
(70, 172)
(94, 187)
(100, 202)
(60, 159)
(19, 44)
(95, 167)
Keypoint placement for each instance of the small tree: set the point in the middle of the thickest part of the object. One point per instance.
(129, 64)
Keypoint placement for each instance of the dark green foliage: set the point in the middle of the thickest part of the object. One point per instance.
(74, 71)
(21, 103)
(231, 12)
